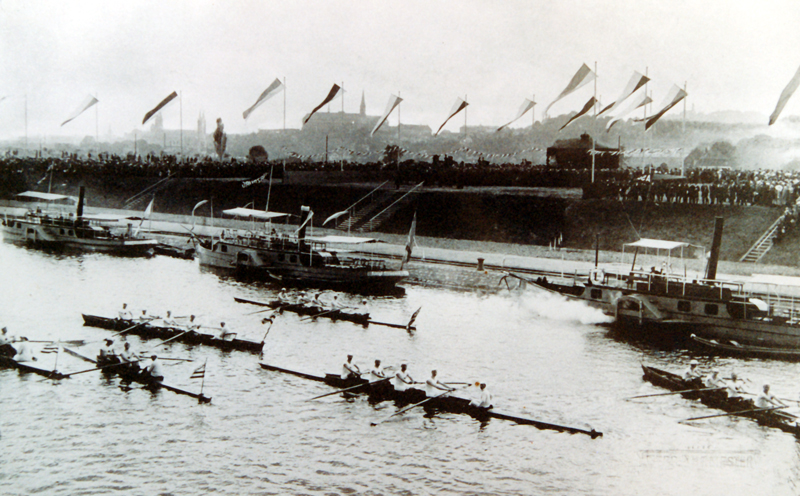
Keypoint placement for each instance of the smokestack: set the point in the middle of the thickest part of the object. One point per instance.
(301, 235)
(79, 213)
(711, 271)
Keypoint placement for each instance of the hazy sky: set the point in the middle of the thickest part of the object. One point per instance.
(221, 55)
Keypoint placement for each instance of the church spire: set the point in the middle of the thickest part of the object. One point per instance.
(363, 108)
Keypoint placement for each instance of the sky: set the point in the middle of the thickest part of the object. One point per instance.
(731, 54)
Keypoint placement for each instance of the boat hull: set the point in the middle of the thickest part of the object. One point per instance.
(312, 311)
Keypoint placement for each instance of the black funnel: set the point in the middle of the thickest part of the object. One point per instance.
(711, 270)
(79, 213)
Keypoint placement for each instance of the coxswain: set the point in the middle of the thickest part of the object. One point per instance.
(154, 369)
(376, 373)
(692, 373)
(350, 370)
(124, 313)
(24, 352)
(486, 399)
(433, 387)
(225, 333)
(401, 380)
(765, 399)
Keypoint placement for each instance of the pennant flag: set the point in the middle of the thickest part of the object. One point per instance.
(394, 101)
(335, 216)
(149, 209)
(161, 105)
(457, 107)
(636, 81)
(199, 372)
(413, 318)
(526, 105)
(50, 348)
(268, 93)
(199, 204)
(674, 96)
(411, 239)
(787, 93)
(88, 102)
(581, 78)
(308, 219)
(641, 101)
(582, 111)
(331, 95)
(247, 184)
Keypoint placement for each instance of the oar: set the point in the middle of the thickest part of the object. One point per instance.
(408, 327)
(167, 341)
(348, 389)
(754, 410)
(677, 392)
(323, 313)
(74, 342)
(126, 330)
(415, 405)
(262, 311)
(100, 368)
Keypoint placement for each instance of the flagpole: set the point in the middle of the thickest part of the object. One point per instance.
(398, 120)
(180, 101)
(465, 117)
(203, 381)
(96, 125)
(26, 124)
(284, 105)
(644, 131)
(533, 112)
(683, 161)
(594, 122)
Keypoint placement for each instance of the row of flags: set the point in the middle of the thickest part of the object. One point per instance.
(584, 76)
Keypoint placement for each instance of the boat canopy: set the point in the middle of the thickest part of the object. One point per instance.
(106, 217)
(257, 214)
(44, 196)
(657, 244)
(344, 240)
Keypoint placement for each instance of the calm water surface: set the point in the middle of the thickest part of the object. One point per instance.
(541, 356)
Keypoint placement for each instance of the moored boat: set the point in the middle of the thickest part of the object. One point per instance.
(719, 399)
(148, 330)
(447, 403)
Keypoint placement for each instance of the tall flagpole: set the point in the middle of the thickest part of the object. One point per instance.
(398, 119)
(683, 161)
(26, 124)
(533, 111)
(644, 117)
(181, 121)
(594, 122)
(284, 104)
(465, 117)
(96, 120)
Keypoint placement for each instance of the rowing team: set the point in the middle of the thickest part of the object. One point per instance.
(192, 325)
(309, 299)
(19, 352)
(134, 363)
(402, 380)
(733, 387)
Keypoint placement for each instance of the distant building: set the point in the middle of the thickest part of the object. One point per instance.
(577, 153)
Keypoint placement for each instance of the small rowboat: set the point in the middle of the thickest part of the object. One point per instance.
(312, 311)
(7, 361)
(719, 399)
(126, 373)
(150, 331)
(738, 349)
(452, 404)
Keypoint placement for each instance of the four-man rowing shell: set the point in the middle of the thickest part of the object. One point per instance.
(150, 331)
(384, 392)
(312, 310)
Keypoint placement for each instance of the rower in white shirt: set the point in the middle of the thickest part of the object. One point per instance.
(154, 369)
(376, 373)
(692, 373)
(766, 399)
(193, 325)
(350, 370)
(433, 387)
(169, 320)
(107, 351)
(24, 351)
(129, 357)
(401, 380)
(713, 380)
(144, 318)
(486, 399)
(225, 333)
(124, 313)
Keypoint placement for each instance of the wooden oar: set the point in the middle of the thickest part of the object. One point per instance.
(74, 342)
(167, 341)
(755, 410)
(373, 424)
(323, 313)
(262, 311)
(100, 368)
(348, 389)
(678, 392)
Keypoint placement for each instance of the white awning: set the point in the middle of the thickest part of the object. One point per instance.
(345, 240)
(44, 196)
(248, 212)
(777, 280)
(657, 244)
(102, 217)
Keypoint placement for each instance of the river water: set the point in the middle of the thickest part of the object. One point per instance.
(541, 356)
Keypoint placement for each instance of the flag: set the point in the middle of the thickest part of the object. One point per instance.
(335, 216)
(199, 204)
(785, 95)
(394, 101)
(247, 184)
(581, 78)
(308, 219)
(331, 95)
(149, 209)
(268, 93)
(526, 105)
(674, 96)
(411, 239)
(457, 107)
(50, 348)
(88, 102)
(161, 105)
(199, 372)
(413, 318)
(636, 81)
(641, 101)
(582, 111)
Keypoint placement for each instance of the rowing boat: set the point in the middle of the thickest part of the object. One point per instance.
(719, 399)
(447, 403)
(734, 348)
(7, 361)
(150, 331)
(126, 373)
(312, 310)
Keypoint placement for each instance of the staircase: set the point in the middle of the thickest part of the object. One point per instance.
(762, 246)
(378, 200)
(379, 218)
(148, 192)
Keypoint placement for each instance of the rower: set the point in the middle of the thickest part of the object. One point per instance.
(282, 296)
(485, 401)
(402, 380)
(350, 370)
(376, 373)
(336, 304)
(5, 343)
(225, 332)
(765, 399)
(144, 317)
(192, 325)
(129, 358)
(125, 314)
(734, 389)
(169, 320)
(433, 387)
(316, 301)
(154, 369)
(107, 351)
(24, 352)
(713, 380)
(692, 373)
